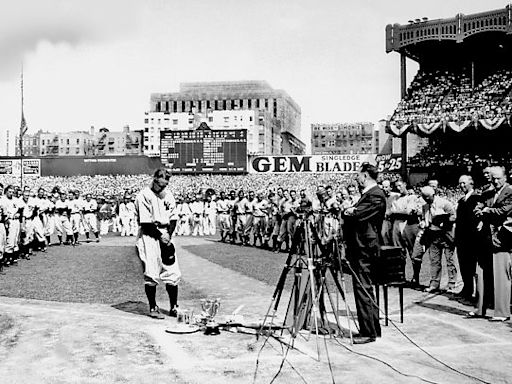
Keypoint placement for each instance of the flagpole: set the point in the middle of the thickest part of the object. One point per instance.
(22, 128)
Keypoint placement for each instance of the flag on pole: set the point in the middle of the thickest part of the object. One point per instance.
(23, 127)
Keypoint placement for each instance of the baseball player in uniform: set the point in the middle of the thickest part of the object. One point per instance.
(124, 217)
(41, 219)
(49, 224)
(28, 226)
(156, 251)
(223, 208)
(2, 228)
(75, 206)
(132, 215)
(210, 216)
(11, 208)
(91, 223)
(62, 222)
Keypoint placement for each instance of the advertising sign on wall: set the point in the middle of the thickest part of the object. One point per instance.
(309, 163)
(389, 163)
(31, 167)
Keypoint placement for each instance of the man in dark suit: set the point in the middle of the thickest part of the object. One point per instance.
(363, 225)
(467, 236)
(498, 214)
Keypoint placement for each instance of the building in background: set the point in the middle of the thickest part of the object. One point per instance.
(31, 143)
(201, 97)
(292, 145)
(342, 138)
(117, 143)
(263, 130)
(82, 143)
(77, 143)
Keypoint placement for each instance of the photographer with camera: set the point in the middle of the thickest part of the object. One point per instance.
(438, 217)
(362, 231)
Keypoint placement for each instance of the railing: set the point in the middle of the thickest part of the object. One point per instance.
(457, 28)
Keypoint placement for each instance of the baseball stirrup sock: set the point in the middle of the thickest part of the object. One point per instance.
(172, 291)
(151, 295)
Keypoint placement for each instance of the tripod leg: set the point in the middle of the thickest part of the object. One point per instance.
(276, 296)
(339, 249)
(342, 289)
(311, 268)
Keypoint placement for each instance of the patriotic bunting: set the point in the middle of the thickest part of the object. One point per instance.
(459, 126)
(492, 124)
(398, 131)
(429, 128)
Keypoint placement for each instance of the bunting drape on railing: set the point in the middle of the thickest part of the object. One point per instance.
(429, 128)
(459, 126)
(399, 130)
(492, 123)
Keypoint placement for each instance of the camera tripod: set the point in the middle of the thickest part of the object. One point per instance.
(311, 262)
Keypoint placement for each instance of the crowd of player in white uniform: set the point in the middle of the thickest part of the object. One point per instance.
(30, 220)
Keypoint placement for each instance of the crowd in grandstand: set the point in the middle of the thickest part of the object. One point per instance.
(448, 96)
(432, 158)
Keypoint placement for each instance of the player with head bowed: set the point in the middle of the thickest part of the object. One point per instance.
(154, 206)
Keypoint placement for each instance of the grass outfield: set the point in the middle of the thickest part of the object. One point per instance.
(262, 265)
(85, 274)
(266, 266)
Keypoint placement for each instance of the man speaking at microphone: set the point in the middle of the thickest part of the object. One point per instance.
(363, 224)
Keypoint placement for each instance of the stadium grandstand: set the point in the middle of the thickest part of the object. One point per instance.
(461, 96)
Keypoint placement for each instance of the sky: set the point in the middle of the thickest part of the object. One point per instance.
(96, 62)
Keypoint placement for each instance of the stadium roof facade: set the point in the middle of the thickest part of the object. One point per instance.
(423, 40)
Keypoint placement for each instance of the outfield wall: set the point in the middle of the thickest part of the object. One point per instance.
(79, 165)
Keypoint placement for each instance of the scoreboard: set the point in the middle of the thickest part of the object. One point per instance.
(204, 151)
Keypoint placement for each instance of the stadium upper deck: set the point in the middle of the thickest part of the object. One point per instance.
(461, 37)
